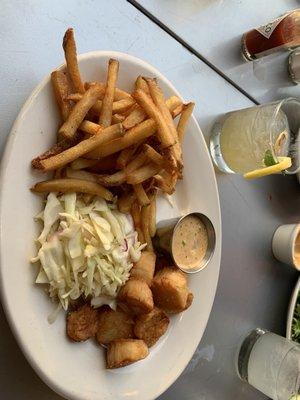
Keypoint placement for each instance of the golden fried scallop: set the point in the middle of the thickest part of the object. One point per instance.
(137, 296)
(82, 324)
(124, 352)
(170, 290)
(144, 268)
(114, 325)
(150, 327)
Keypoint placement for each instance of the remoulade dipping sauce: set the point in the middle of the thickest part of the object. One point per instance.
(190, 242)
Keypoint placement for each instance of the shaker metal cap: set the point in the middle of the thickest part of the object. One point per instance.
(294, 65)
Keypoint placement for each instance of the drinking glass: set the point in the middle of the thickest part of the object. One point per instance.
(241, 139)
(271, 364)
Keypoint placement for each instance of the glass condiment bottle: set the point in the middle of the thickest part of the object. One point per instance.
(294, 66)
(271, 364)
(282, 33)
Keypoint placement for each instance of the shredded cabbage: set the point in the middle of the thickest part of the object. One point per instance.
(86, 249)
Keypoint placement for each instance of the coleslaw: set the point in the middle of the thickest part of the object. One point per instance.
(86, 248)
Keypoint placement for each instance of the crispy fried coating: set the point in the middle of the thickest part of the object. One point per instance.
(82, 324)
(137, 296)
(150, 327)
(114, 325)
(170, 290)
(124, 352)
(189, 300)
(144, 268)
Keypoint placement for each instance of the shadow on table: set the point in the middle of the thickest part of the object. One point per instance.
(16, 369)
(254, 289)
(267, 77)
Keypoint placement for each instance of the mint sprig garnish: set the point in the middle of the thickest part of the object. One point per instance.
(269, 159)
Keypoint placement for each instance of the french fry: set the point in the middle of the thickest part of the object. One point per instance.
(105, 164)
(89, 127)
(138, 114)
(115, 179)
(67, 185)
(141, 195)
(177, 111)
(71, 154)
(182, 123)
(135, 117)
(141, 237)
(78, 174)
(165, 182)
(152, 155)
(117, 118)
(125, 202)
(149, 186)
(136, 163)
(61, 90)
(125, 155)
(69, 47)
(162, 104)
(122, 105)
(107, 103)
(152, 193)
(145, 214)
(129, 110)
(120, 177)
(173, 103)
(54, 150)
(159, 100)
(153, 112)
(136, 216)
(76, 116)
(170, 162)
(152, 215)
(142, 174)
(141, 83)
(134, 135)
(117, 106)
(96, 108)
(119, 94)
(82, 163)
(78, 96)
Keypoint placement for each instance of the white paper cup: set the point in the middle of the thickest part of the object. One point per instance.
(286, 244)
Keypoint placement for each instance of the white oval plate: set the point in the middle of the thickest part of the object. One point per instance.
(77, 371)
(291, 310)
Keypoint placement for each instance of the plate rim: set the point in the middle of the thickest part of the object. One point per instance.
(54, 385)
(291, 309)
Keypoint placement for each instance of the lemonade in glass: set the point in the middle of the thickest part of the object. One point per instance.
(257, 137)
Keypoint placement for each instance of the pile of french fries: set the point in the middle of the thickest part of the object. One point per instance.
(114, 143)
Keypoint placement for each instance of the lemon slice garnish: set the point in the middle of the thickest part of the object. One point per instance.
(280, 142)
(283, 163)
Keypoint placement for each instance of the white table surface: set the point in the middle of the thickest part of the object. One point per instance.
(214, 29)
(253, 288)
